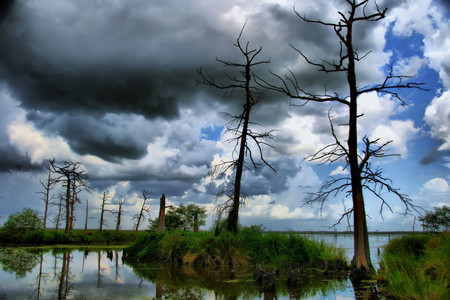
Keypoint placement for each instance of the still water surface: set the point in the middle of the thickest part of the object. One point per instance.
(101, 274)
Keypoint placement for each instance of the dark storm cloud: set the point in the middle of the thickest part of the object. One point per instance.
(265, 181)
(110, 138)
(93, 59)
(11, 160)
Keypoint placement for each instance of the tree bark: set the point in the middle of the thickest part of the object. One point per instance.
(87, 215)
(361, 260)
(162, 213)
(232, 222)
(66, 231)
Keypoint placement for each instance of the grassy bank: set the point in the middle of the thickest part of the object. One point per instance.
(74, 237)
(417, 267)
(250, 246)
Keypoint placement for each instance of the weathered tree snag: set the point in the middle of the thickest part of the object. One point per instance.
(105, 198)
(73, 177)
(162, 213)
(243, 134)
(144, 209)
(362, 174)
(48, 186)
(120, 213)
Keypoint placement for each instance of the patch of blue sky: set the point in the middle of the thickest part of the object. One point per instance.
(212, 132)
(403, 48)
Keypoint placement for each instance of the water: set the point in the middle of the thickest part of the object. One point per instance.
(89, 273)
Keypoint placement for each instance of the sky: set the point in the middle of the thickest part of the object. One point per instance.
(113, 85)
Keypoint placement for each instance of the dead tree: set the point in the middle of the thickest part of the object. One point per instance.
(47, 197)
(144, 210)
(120, 213)
(239, 125)
(362, 175)
(74, 178)
(87, 215)
(162, 213)
(105, 198)
(58, 216)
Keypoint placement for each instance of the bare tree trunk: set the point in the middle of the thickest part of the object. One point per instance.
(144, 208)
(87, 215)
(232, 222)
(47, 188)
(66, 231)
(72, 205)
(361, 259)
(162, 213)
(58, 219)
(119, 214)
(102, 214)
(241, 130)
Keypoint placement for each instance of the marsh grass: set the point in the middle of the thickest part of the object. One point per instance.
(417, 267)
(249, 247)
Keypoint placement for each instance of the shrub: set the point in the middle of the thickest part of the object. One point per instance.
(24, 227)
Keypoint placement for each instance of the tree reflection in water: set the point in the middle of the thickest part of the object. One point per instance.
(18, 261)
(74, 274)
(195, 283)
(63, 287)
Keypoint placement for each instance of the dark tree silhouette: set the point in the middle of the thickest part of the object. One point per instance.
(144, 210)
(239, 125)
(74, 178)
(162, 213)
(362, 174)
(120, 213)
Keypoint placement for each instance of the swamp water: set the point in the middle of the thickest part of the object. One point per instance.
(90, 273)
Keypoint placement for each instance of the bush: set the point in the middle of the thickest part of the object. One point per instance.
(24, 227)
(437, 221)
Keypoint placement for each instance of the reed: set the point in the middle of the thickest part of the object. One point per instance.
(416, 267)
(250, 246)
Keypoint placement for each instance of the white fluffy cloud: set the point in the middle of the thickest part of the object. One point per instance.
(426, 18)
(437, 116)
(339, 171)
(435, 185)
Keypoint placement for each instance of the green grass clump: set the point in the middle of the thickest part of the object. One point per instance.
(417, 267)
(250, 246)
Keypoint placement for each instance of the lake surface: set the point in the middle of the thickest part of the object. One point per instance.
(89, 273)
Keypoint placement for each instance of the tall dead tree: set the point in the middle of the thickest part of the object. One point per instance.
(47, 197)
(144, 210)
(162, 213)
(74, 178)
(239, 125)
(362, 174)
(59, 205)
(120, 213)
(105, 197)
